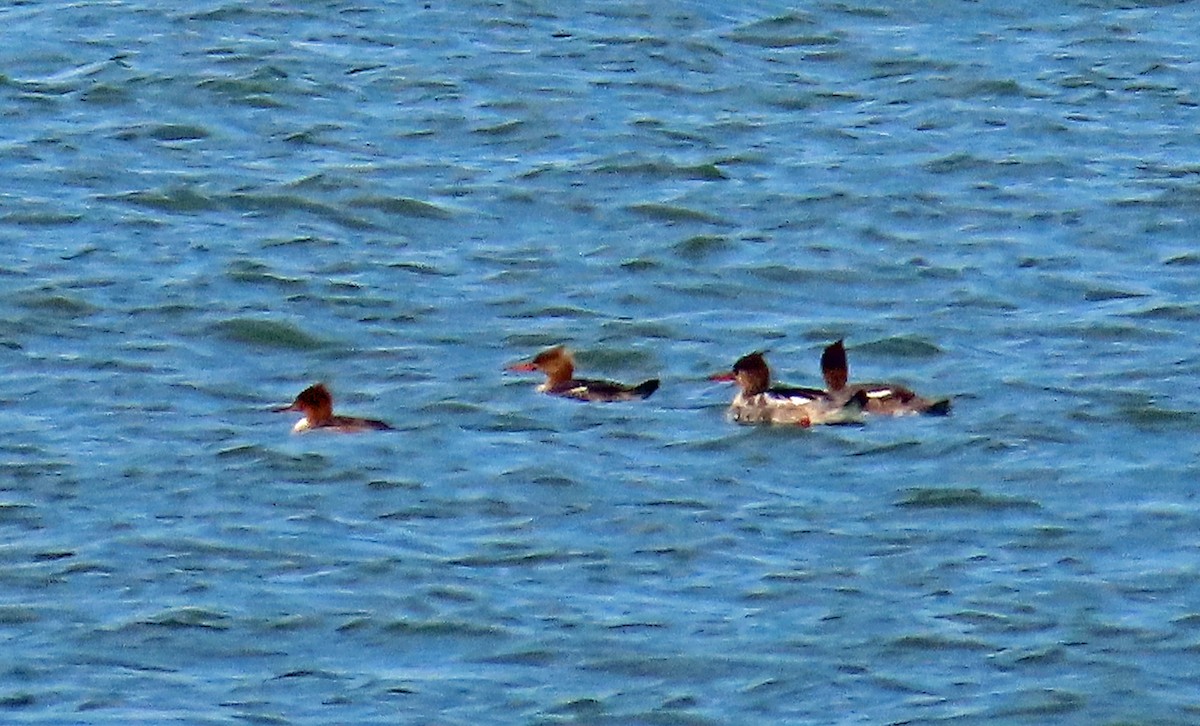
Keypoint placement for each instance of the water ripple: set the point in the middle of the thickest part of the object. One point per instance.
(213, 205)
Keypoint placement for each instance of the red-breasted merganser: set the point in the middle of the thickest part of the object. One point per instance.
(316, 403)
(559, 367)
(758, 402)
(883, 399)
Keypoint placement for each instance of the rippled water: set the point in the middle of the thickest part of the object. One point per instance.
(211, 205)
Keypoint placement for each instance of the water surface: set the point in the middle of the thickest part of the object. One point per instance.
(212, 205)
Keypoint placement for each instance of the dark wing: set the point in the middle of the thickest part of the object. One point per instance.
(350, 423)
(797, 392)
(584, 389)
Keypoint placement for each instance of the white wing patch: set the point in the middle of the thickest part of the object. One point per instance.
(796, 399)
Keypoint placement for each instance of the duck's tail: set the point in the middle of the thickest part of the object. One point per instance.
(850, 412)
(644, 389)
(857, 403)
(938, 408)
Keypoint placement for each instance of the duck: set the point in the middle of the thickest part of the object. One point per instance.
(316, 403)
(558, 365)
(882, 399)
(759, 402)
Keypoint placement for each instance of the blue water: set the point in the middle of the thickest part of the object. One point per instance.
(208, 206)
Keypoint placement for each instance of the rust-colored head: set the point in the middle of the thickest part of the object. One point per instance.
(557, 363)
(750, 372)
(834, 367)
(315, 402)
